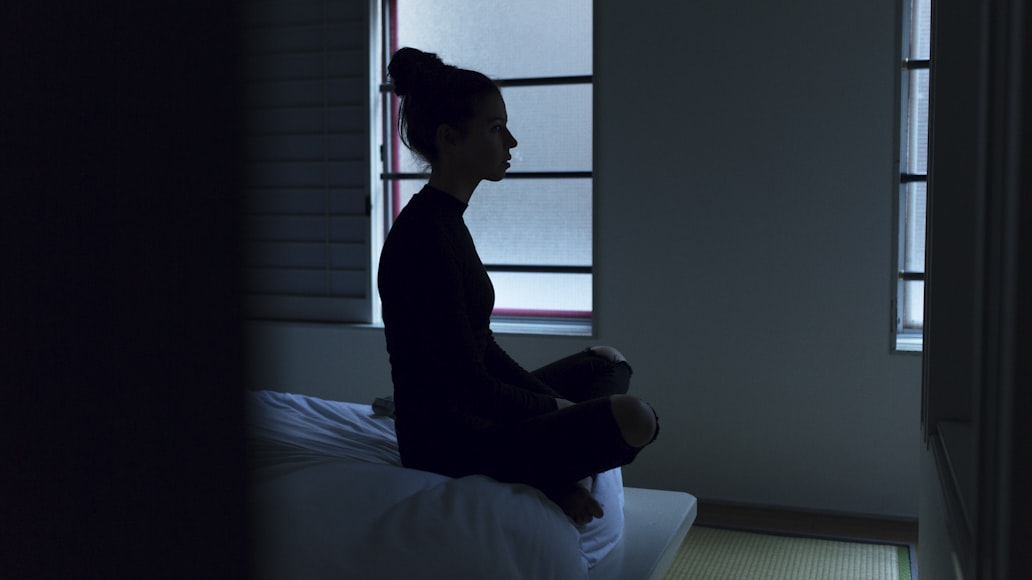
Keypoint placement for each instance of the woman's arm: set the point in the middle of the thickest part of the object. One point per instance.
(432, 341)
(501, 365)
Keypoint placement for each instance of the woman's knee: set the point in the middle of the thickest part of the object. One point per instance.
(636, 419)
(609, 353)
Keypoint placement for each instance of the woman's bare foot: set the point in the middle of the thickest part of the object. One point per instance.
(579, 504)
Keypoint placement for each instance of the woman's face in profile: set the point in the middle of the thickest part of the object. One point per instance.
(484, 149)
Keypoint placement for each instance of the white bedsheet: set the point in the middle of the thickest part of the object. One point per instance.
(330, 500)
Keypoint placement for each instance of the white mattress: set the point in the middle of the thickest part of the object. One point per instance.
(330, 500)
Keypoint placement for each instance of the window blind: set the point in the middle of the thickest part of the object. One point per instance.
(305, 93)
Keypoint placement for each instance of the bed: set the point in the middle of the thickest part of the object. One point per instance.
(330, 499)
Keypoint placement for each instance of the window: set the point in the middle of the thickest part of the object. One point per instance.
(324, 175)
(913, 174)
(534, 229)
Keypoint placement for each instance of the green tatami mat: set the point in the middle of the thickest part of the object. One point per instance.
(715, 554)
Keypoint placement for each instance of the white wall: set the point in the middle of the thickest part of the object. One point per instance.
(744, 239)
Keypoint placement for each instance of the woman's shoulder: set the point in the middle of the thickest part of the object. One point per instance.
(431, 211)
(420, 234)
(422, 221)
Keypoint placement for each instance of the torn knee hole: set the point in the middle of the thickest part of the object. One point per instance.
(609, 353)
(635, 418)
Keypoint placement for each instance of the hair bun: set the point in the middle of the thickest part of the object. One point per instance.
(412, 70)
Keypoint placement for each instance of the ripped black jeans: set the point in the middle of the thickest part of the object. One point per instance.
(594, 372)
(555, 450)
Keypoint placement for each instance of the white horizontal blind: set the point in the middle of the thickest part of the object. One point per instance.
(305, 78)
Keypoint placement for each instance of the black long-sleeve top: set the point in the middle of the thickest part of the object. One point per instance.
(450, 376)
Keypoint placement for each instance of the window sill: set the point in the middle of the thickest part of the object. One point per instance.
(498, 326)
(506, 325)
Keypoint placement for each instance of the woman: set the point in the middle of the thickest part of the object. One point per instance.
(463, 406)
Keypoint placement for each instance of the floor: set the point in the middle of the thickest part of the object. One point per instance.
(806, 523)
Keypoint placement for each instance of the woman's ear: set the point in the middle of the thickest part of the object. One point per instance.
(447, 137)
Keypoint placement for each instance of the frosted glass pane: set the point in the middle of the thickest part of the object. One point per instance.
(407, 161)
(529, 38)
(914, 244)
(913, 304)
(541, 222)
(532, 222)
(542, 293)
(917, 131)
(552, 125)
(921, 29)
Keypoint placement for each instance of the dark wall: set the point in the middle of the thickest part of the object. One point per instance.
(122, 359)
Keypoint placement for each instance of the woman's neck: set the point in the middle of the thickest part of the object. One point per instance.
(458, 186)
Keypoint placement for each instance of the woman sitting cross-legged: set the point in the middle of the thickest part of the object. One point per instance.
(464, 406)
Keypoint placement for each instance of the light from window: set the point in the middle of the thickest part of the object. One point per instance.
(914, 173)
(533, 230)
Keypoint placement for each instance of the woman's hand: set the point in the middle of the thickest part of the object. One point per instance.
(578, 503)
(562, 404)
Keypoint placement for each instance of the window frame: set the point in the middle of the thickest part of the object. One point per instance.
(906, 337)
(385, 141)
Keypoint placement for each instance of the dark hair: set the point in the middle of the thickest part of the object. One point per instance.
(433, 94)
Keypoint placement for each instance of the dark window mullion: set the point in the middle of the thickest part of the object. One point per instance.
(538, 269)
(524, 82)
(545, 81)
(912, 276)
